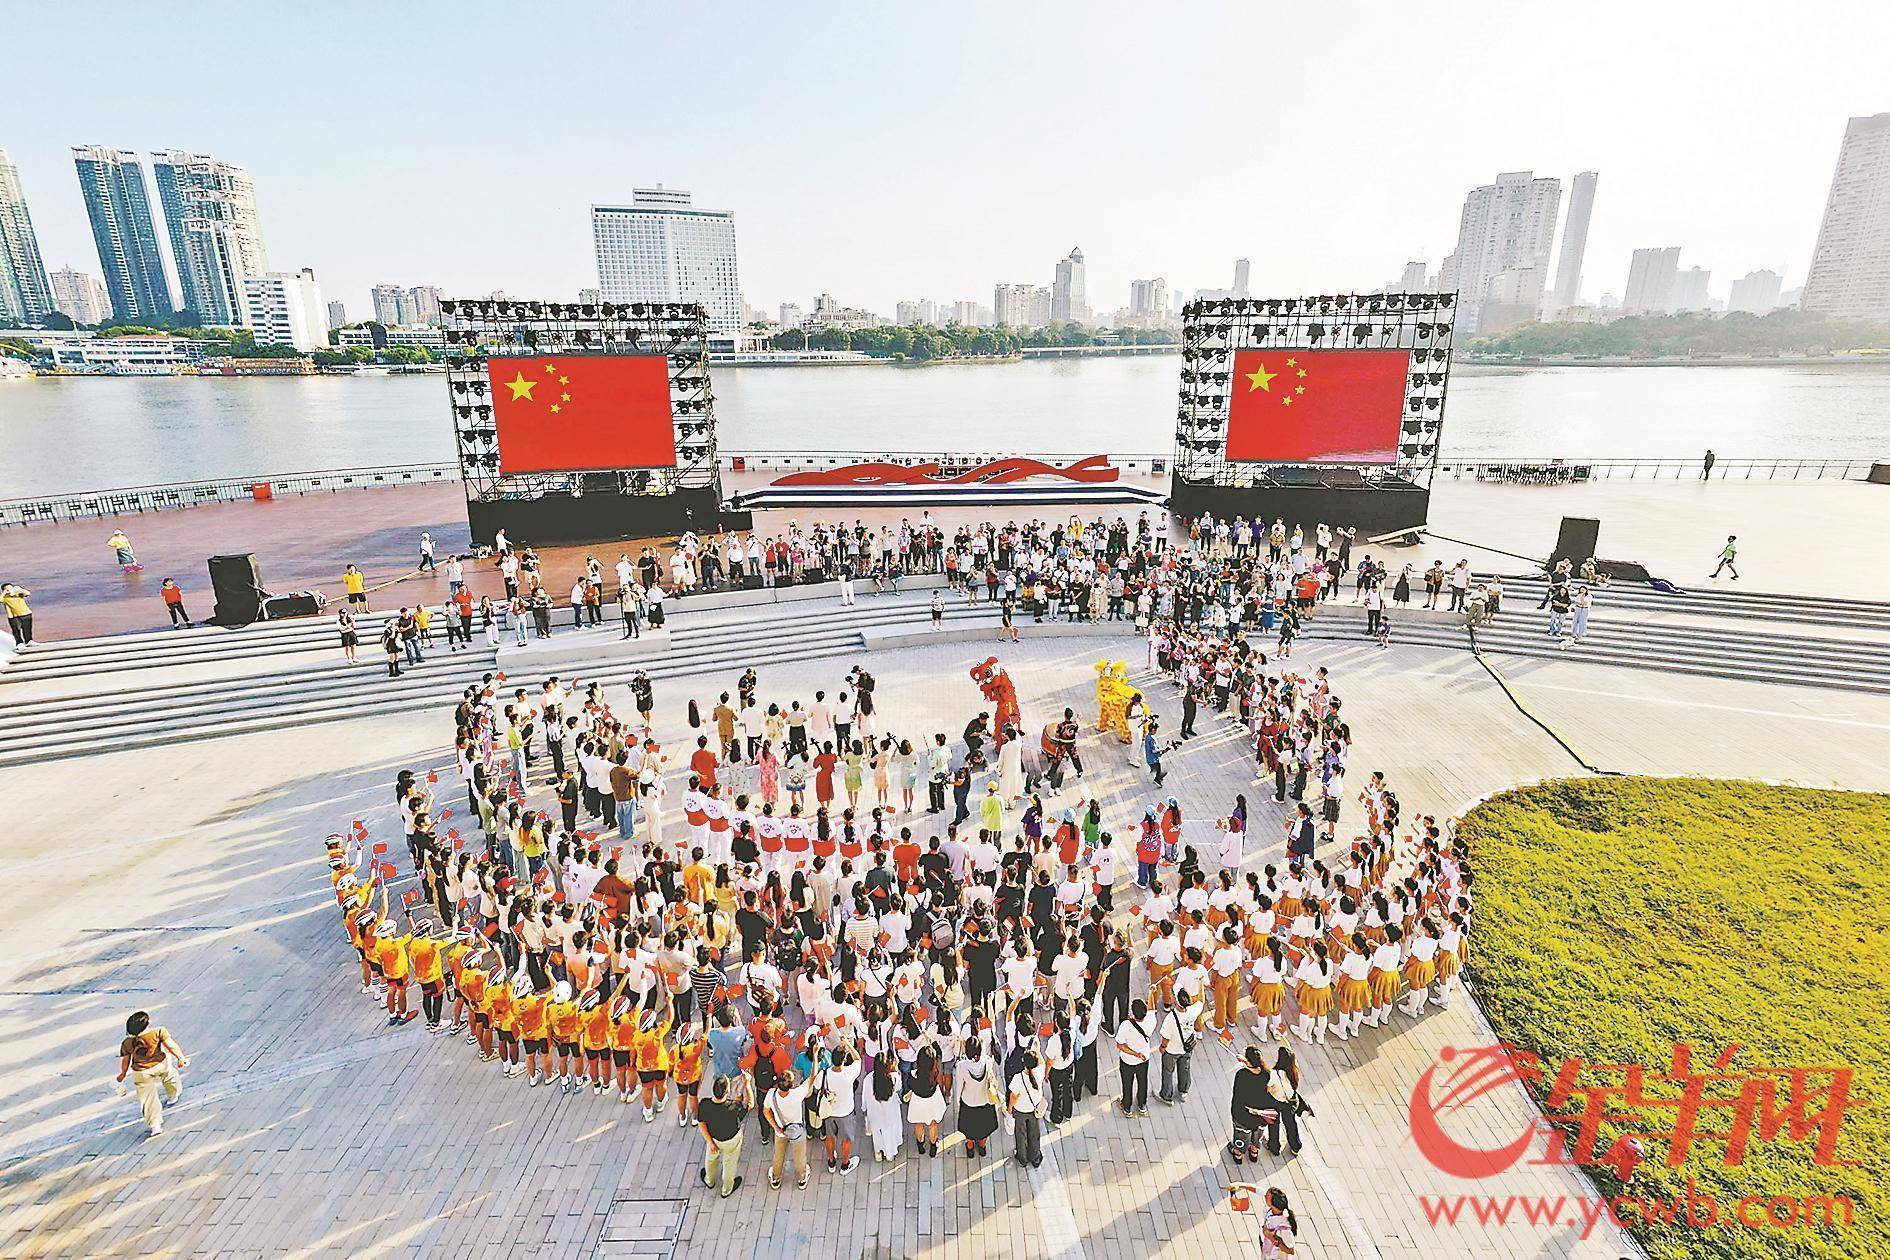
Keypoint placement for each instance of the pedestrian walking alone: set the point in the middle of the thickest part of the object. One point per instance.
(1726, 556)
(151, 1056)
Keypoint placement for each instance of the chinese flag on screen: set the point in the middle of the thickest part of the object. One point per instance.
(1317, 406)
(568, 413)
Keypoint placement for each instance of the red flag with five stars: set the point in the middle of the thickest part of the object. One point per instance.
(577, 412)
(1317, 406)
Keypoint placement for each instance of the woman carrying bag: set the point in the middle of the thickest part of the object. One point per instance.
(978, 1091)
(1283, 1098)
(1251, 1106)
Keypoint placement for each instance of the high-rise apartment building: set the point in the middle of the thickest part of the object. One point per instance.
(337, 315)
(1148, 303)
(1568, 271)
(112, 183)
(1850, 268)
(216, 237)
(391, 304)
(1241, 268)
(1689, 290)
(1069, 297)
(965, 314)
(590, 297)
(1021, 306)
(922, 311)
(285, 309)
(1650, 283)
(1416, 277)
(792, 316)
(1755, 293)
(423, 303)
(662, 248)
(1508, 226)
(80, 297)
(24, 290)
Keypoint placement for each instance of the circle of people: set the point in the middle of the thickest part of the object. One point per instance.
(811, 944)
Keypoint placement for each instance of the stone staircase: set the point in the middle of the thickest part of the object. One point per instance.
(78, 697)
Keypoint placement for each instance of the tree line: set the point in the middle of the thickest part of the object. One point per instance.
(922, 342)
(1689, 335)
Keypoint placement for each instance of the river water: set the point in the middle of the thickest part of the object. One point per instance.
(66, 434)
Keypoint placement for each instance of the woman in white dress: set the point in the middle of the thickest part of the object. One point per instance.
(883, 1120)
(1011, 768)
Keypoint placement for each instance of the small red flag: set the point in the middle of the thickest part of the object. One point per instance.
(445, 814)
(410, 896)
(457, 842)
(500, 676)
(380, 847)
(557, 899)
(433, 776)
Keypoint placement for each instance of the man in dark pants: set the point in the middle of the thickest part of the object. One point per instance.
(1188, 706)
(1706, 465)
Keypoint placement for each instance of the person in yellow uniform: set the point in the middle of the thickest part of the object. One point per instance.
(355, 585)
(427, 954)
(532, 1031)
(469, 984)
(501, 1005)
(390, 951)
(561, 1018)
(652, 1059)
(623, 1040)
(691, 1043)
(594, 1039)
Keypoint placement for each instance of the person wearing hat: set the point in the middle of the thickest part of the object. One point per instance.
(148, 1054)
(561, 1023)
(652, 1060)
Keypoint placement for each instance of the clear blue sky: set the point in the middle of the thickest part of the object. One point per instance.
(886, 151)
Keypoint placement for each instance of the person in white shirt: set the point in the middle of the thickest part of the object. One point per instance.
(839, 1086)
(1027, 1105)
(1179, 1028)
(785, 1110)
(1134, 1044)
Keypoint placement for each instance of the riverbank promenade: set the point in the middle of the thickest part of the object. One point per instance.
(1813, 537)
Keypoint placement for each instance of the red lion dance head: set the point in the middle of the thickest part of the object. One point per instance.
(998, 689)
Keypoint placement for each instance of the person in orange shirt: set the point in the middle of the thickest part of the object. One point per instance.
(623, 1040)
(502, 1009)
(691, 1043)
(390, 951)
(469, 1007)
(652, 1060)
(561, 1019)
(358, 920)
(594, 1028)
(702, 763)
(427, 953)
(533, 1033)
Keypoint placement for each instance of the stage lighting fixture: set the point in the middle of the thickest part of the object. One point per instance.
(1361, 331)
(479, 388)
(590, 310)
(1316, 332)
(1444, 300)
(583, 337)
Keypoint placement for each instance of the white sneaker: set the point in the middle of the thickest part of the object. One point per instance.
(648, 1115)
(533, 1083)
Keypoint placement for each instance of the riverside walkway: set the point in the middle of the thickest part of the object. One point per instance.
(186, 877)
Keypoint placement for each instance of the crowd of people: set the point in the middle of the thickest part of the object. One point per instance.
(767, 921)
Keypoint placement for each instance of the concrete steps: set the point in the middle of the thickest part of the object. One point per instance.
(1723, 600)
(80, 697)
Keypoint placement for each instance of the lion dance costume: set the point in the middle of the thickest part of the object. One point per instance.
(1113, 694)
(1001, 692)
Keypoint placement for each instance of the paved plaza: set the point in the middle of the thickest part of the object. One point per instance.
(189, 880)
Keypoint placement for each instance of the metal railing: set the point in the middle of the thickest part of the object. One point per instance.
(1561, 472)
(127, 500)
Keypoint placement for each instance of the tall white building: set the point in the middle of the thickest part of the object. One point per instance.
(662, 248)
(1021, 306)
(590, 297)
(215, 234)
(285, 309)
(1508, 226)
(1069, 297)
(965, 314)
(1689, 290)
(792, 316)
(337, 315)
(1755, 293)
(922, 311)
(24, 291)
(1416, 277)
(80, 296)
(423, 301)
(1241, 270)
(1650, 281)
(1850, 268)
(1568, 270)
(391, 304)
(1148, 303)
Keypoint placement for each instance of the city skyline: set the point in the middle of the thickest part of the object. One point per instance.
(1742, 182)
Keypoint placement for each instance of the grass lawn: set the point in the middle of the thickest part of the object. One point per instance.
(1618, 916)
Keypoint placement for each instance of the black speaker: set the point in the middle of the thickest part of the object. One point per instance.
(298, 604)
(1576, 542)
(237, 583)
